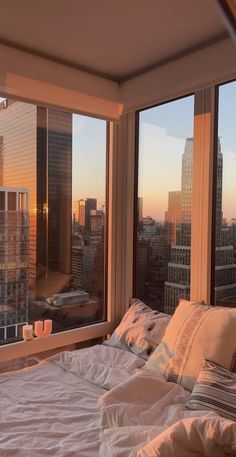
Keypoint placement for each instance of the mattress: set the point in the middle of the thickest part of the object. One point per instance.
(51, 409)
(103, 401)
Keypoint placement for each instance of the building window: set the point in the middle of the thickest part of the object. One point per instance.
(224, 226)
(164, 204)
(52, 218)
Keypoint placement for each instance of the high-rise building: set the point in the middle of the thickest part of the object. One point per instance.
(173, 216)
(54, 194)
(76, 211)
(178, 284)
(14, 262)
(96, 220)
(82, 213)
(141, 266)
(77, 267)
(85, 207)
(36, 144)
(90, 204)
(140, 210)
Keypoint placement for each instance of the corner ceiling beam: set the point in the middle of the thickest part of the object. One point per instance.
(228, 12)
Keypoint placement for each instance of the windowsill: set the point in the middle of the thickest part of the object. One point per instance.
(56, 340)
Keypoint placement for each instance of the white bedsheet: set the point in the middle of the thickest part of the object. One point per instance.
(63, 408)
(51, 409)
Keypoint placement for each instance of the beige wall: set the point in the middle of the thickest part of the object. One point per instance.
(44, 82)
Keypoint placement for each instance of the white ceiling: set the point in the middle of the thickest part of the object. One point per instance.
(116, 38)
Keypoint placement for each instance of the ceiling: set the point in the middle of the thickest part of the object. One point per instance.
(114, 38)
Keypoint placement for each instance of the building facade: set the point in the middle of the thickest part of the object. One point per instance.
(14, 262)
(178, 284)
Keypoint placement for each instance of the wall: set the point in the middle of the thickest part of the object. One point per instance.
(44, 82)
(204, 68)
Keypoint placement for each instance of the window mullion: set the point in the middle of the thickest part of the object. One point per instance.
(201, 240)
(121, 182)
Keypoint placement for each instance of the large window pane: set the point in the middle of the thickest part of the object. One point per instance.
(163, 237)
(52, 218)
(225, 199)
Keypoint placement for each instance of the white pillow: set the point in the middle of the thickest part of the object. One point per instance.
(140, 330)
(195, 332)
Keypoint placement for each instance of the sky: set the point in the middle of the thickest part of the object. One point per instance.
(163, 131)
(89, 158)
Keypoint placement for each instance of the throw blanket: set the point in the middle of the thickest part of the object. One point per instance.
(145, 416)
(208, 437)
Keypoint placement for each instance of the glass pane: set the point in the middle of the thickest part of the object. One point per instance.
(163, 242)
(2, 201)
(11, 201)
(225, 204)
(52, 242)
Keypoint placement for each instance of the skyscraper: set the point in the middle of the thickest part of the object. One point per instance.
(82, 213)
(14, 264)
(178, 284)
(96, 220)
(90, 204)
(173, 216)
(36, 144)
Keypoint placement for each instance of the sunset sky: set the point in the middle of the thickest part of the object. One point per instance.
(163, 131)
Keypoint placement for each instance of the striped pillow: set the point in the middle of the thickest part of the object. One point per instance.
(215, 390)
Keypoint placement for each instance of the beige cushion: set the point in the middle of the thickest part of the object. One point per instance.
(195, 332)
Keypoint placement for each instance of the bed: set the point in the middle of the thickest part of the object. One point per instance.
(107, 401)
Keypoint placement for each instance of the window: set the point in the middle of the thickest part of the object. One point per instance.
(164, 204)
(224, 236)
(52, 218)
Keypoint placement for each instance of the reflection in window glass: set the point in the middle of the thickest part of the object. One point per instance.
(225, 203)
(52, 218)
(163, 242)
(11, 201)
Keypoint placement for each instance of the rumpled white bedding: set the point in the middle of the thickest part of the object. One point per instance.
(96, 401)
(51, 409)
(199, 436)
(146, 417)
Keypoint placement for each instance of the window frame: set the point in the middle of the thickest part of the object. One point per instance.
(203, 203)
(214, 187)
(122, 140)
(136, 180)
(85, 332)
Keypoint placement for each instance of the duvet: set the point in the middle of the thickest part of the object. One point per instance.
(101, 401)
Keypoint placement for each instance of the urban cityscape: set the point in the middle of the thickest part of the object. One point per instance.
(163, 252)
(52, 239)
(50, 245)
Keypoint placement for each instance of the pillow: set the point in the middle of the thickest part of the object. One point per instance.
(215, 390)
(195, 332)
(140, 330)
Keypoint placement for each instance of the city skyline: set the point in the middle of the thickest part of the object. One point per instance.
(64, 253)
(162, 134)
(163, 130)
(88, 155)
(163, 250)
